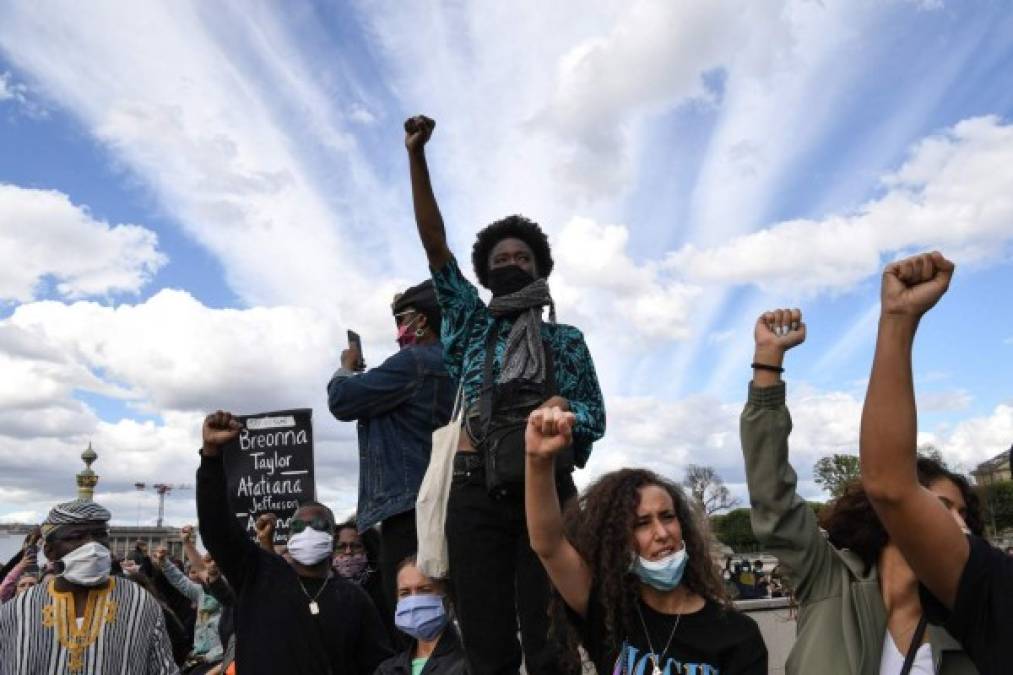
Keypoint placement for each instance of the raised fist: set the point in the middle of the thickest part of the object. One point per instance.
(219, 428)
(160, 556)
(186, 534)
(549, 431)
(779, 330)
(914, 285)
(417, 131)
(265, 525)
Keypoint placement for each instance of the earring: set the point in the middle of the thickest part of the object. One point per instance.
(419, 332)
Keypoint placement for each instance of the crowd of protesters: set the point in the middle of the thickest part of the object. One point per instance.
(892, 578)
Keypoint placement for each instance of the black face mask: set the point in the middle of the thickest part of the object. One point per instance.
(508, 279)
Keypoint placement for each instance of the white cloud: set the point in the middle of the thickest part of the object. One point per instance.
(595, 275)
(275, 192)
(180, 359)
(176, 354)
(666, 436)
(947, 195)
(10, 90)
(975, 440)
(944, 401)
(50, 237)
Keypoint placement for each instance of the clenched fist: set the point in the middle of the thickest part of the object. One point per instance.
(219, 428)
(265, 525)
(914, 285)
(777, 331)
(417, 131)
(549, 431)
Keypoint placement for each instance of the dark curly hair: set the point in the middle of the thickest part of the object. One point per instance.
(600, 526)
(852, 523)
(516, 227)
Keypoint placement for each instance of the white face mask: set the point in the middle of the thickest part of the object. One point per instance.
(87, 565)
(310, 546)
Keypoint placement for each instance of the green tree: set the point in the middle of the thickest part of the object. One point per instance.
(735, 530)
(833, 473)
(997, 500)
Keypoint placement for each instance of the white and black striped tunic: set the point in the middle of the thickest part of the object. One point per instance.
(122, 631)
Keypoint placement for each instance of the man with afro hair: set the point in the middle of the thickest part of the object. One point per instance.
(509, 362)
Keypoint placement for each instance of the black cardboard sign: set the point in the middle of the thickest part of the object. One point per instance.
(269, 467)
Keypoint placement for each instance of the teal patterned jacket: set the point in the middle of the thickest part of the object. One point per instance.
(465, 330)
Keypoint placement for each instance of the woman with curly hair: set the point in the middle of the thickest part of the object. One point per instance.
(859, 607)
(632, 564)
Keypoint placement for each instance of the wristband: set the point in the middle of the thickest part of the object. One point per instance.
(764, 366)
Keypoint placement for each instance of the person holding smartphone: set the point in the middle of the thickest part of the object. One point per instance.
(396, 407)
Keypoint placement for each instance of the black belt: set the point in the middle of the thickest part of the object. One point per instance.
(466, 462)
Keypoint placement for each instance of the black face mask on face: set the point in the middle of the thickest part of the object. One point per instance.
(508, 279)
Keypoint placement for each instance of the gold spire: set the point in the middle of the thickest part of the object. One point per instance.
(87, 479)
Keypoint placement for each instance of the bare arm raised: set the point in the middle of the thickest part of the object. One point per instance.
(930, 539)
(418, 131)
(549, 431)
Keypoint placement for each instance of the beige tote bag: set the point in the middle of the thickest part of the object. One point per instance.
(434, 493)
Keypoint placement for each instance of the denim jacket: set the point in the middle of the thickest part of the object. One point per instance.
(398, 405)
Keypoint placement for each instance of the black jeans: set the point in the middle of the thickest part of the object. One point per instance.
(398, 540)
(496, 577)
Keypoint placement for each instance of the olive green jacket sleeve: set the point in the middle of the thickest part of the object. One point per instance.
(782, 522)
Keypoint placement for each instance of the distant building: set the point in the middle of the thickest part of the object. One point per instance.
(994, 470)
(122, 539)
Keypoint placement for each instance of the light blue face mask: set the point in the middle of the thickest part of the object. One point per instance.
(664, 574)
(422, 616)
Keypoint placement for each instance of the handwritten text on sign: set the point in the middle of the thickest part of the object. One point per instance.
(269, 467)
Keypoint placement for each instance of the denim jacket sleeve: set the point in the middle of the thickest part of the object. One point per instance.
(783, 523)
(376, 391)
(192, 591)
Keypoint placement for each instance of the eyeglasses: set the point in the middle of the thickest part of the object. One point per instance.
(320, 524)
(350, 547)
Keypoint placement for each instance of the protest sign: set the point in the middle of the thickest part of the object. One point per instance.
(269, 467)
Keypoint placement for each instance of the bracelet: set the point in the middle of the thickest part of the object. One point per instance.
(764, 366)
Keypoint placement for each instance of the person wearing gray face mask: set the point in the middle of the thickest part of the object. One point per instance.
(99, 624)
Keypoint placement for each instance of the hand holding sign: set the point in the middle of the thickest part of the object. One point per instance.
(219, 428)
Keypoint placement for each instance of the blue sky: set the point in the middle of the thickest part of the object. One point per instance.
(196, 201)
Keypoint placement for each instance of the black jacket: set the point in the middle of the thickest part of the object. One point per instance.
(447, 658)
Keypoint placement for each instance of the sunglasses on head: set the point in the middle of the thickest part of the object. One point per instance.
(318, 523)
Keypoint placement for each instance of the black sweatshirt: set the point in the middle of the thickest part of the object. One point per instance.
(275, 631)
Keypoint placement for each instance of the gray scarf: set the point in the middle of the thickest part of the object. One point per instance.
(524, 356)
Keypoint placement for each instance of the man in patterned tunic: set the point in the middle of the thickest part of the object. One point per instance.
(509, 361)
(82, 621)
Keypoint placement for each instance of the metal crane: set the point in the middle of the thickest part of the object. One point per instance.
(161, 489)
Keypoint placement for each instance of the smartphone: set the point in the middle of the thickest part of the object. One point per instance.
(355, 342)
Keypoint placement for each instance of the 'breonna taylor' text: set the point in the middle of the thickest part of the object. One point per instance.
(269, 462)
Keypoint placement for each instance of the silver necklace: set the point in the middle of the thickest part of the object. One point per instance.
(314, 607)
(657, 657)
